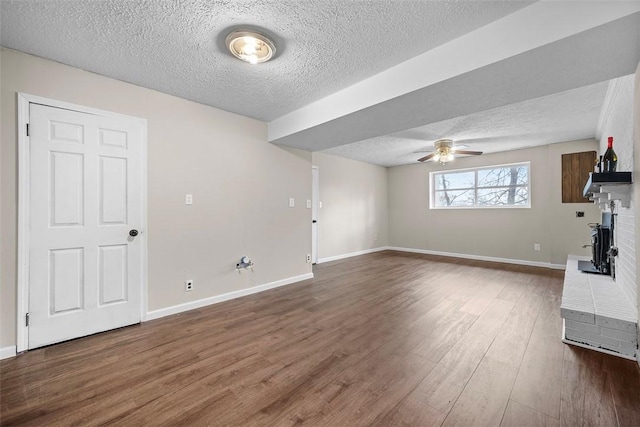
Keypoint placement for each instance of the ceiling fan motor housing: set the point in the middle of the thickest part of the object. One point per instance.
(444, 144)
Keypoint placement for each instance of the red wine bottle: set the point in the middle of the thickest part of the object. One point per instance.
(610, 159)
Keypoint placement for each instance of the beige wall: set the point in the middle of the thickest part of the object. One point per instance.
(353, 217)
(501, 233)
(240, 183)
(567, 233)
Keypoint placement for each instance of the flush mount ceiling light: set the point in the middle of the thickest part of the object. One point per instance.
(250, 47)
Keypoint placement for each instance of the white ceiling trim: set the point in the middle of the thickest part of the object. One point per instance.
(531, 27)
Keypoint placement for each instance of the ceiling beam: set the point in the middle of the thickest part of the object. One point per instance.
(531, 53)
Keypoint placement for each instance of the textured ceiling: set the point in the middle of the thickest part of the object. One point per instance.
(177, 47)
(375, 80)
(565, 116)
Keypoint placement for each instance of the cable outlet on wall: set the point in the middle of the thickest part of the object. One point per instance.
(188, 285)
(536, 246)
(308, 257)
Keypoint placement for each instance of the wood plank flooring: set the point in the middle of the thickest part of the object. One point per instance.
(386, 339)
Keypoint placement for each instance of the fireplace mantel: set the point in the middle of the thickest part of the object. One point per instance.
(603, 188)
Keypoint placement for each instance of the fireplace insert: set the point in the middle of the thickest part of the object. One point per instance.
(601, 235)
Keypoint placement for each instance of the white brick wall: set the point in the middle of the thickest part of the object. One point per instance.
(617, 120)
(625, 241)
(597, 311)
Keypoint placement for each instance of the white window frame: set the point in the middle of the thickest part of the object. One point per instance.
(432, 187)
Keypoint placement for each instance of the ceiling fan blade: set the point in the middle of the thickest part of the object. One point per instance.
(426, 150)
(473, 153)
(427, 157)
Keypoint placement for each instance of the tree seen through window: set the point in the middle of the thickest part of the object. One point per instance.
(506, 185)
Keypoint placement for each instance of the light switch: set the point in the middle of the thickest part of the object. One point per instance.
(188, 199)
(292, 202)
(308, 204)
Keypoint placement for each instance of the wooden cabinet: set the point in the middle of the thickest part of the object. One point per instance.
(575, 172)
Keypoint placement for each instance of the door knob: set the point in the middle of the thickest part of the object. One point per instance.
(313, 221)
(133, 233)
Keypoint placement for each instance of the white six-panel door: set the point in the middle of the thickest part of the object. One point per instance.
(85, 192)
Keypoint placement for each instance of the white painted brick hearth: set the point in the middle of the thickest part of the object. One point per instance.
(597, 312)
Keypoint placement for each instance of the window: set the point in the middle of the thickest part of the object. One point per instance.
(488, 187)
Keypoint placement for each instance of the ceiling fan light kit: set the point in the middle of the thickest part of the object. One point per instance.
(251, 47)
(443, 151)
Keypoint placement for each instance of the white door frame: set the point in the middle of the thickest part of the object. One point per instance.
(315, 206)
(24, 189)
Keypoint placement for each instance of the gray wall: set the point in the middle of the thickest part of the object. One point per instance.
(240, 183)
(353, 217)
(500, 233)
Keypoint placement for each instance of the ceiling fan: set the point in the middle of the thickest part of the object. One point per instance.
(445, 151)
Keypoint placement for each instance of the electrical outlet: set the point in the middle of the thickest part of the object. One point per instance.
(188, 199)
(308, 204)
(308, 257)
(375, 237)
(188, 285)
(536, 246)
(579, 214)
(292, 202)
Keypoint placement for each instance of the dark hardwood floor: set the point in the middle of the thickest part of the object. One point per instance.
(385, 339)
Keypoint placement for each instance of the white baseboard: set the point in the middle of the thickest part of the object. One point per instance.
(7, 352)
(480, 258)
(349, 255)
(156, 314)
